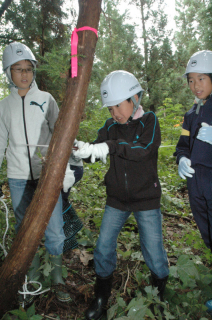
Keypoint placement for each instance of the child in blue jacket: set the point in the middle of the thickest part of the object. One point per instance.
(194, 148)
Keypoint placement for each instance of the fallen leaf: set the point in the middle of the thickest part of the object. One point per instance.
(85, 257)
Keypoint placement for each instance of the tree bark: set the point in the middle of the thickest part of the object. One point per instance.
(4, 7)
(33, 226)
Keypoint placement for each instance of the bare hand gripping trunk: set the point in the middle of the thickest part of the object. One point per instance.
(39, 212)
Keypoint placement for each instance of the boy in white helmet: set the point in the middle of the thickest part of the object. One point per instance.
(27, 118)
(194, 148)
(131, 138)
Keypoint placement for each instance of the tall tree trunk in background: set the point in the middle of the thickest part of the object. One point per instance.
(146, 53)
(39, 212)
(144, 36)
(4, 7)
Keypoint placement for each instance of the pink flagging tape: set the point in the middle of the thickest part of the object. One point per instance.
(74, 44)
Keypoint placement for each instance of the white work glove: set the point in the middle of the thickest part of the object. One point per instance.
(185, 169)
(205, 133)
(79, 144)
(100, 151)
(84, 152)
(69, 179)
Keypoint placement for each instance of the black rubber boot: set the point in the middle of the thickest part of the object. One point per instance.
(102, 291)
(160, 284)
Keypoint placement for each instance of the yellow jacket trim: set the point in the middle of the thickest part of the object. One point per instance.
(185, 133)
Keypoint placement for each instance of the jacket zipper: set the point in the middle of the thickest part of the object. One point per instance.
(126, 183)
(27, 142)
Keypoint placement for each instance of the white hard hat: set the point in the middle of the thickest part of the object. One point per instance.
(200, 62)
(15, 52)
(119, 86)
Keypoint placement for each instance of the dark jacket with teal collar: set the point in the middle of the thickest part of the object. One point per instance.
(132, 181)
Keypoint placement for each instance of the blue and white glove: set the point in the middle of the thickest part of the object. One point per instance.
(100, 151)
(205, 133)
(185, 169)
(84, 151)
(69, 179)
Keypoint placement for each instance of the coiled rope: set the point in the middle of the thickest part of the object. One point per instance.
(25, 291)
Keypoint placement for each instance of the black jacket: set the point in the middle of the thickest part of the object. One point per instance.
(132, 181)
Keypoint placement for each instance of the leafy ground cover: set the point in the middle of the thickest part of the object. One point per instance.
(190, 280)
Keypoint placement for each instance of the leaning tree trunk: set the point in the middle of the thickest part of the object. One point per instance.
(33, 226)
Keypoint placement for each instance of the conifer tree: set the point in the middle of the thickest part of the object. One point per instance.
(39, 24)
(117, 49)
(158, 55)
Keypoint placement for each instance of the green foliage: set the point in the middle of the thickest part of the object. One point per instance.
(91, 200)
(36, 22)
(4, 92)
(3, 172)
(54, 66)
(116, 49)
(194, 25)
(192, 289)
(159, 62)
(189, 285)
(41, 26)
(194, 29)
(192, 240)
(21, 314)
(90, 126)
(171, 119)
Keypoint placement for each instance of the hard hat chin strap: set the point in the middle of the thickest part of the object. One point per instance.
(136, 104)
(200, 103)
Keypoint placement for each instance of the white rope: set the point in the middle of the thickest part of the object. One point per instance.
(25, 290)
(7, 226)
(44, 145)
(167, 146)
(32, 293)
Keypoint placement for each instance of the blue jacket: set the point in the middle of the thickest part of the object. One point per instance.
(188, 146)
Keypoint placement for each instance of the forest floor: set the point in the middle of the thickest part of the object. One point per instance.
(80, 267)
(81, 276)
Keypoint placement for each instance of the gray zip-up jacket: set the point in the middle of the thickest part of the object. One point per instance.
(26, 121)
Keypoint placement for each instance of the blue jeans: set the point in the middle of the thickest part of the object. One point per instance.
(22, 192)
(151, 241)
